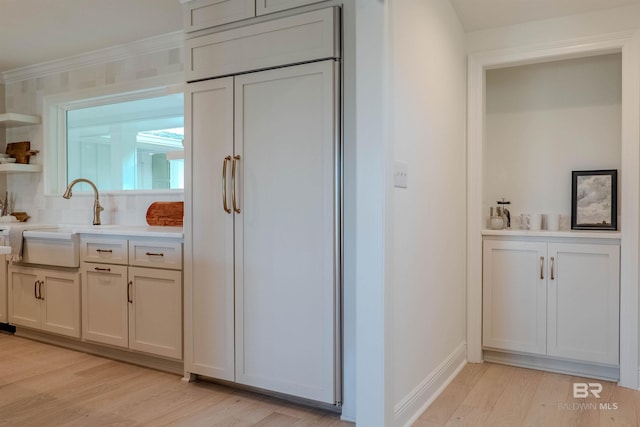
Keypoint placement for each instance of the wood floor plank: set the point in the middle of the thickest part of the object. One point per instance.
(504, 395)
(44, 385)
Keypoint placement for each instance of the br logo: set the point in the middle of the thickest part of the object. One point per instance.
(583, 390)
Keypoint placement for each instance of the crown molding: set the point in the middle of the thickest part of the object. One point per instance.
(100, 56)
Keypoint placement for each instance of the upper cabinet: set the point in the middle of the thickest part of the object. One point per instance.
(201, 14)
(305, 37)
(12, 120)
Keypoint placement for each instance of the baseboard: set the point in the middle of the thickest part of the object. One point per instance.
(407, 411)
(607, 373)
(124, 355)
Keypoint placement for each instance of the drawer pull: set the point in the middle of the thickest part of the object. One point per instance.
(129, 299)
(154, 254)
(102, 269)
(108, 251)
(541, 268)
(553, 261)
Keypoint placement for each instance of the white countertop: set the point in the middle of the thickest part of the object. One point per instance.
(584, 234)
(115, 230)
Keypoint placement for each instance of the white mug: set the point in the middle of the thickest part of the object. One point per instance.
(531, 221)
(553, 222)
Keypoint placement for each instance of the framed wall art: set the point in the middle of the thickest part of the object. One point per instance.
(594, 200)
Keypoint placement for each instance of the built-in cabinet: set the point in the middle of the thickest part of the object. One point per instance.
(45, 299)
(552, 297)
(201, 14)
(262, 241)
(126, 303)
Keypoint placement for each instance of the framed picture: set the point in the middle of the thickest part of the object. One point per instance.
(594, 200)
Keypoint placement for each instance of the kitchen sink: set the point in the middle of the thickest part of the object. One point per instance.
(58, 246)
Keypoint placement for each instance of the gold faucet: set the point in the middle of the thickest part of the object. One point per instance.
(96, 203)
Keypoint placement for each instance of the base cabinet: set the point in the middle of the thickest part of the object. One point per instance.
(133, 307)
(558, 299)
(48, 300)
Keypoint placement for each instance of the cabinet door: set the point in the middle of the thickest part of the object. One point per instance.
(155, 311)
(285, 231)
(269, 6)
(4, 291)
(514, 296)
(209, 339)
(24, 307)
(584, 291)
(202, 14)
(60, 301)
(104, 304)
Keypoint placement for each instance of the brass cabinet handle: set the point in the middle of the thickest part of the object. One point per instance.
(236, 159)
(541, 268)
(102, 269)
(129, 286)
(154, 254)
(104, 250)
(224, 185)
(552, 267)
(40, 289)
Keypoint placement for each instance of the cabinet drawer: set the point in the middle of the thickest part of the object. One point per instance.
(209, 13)
(104, 249)
(294, 39)
(268, 6)
(155, 254)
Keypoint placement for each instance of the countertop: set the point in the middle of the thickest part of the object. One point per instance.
(585, 234)
(114, 230)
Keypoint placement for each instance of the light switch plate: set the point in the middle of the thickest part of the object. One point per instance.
(400, 174)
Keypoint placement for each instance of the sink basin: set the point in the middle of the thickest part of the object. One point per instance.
(51, 246)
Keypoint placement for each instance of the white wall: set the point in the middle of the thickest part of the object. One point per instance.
(427, 220)
(25, 96)
(544, 121)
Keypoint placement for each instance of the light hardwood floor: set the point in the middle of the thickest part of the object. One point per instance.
(497, 395)
(44, 385)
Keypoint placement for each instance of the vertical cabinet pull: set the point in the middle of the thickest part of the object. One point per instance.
(552, 267)
(224, 184)
(37, 289)
(541, 268)
(129, 286)
(236, 159)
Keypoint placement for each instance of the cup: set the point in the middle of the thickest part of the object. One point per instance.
(553, 222)
(535, 222)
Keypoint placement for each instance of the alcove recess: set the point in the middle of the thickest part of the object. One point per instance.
(11, 120)
(545, 120)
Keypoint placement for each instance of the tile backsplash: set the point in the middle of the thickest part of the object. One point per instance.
(26, 96)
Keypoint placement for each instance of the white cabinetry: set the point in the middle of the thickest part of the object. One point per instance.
(201, 14)
(130, 306)
(262, 287)
(48, 300)
(558, 299)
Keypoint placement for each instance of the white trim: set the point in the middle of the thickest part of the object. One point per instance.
(409, 409)
(100, 56)
(628, 43)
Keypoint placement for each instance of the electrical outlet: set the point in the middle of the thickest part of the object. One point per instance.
(400, 174)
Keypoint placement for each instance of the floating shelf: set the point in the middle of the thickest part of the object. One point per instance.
(19, 167)
(12, 120)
